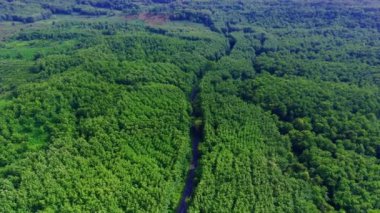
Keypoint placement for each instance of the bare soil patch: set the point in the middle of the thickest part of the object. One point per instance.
(151, 19)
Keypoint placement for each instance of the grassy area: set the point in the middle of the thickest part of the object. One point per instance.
(28, 49)
(9, 29)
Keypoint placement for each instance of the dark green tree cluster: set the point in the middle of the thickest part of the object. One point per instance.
(334, 132)
(243, 162)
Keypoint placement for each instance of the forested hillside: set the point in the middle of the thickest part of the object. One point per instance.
(189, 106)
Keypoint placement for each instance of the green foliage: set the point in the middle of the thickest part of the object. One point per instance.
(98, 98)
(330, 127)
(113, 127)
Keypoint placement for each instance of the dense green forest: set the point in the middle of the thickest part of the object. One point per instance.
(103, 102)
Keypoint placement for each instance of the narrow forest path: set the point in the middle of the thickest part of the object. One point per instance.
(231, 43)
(196, 133)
